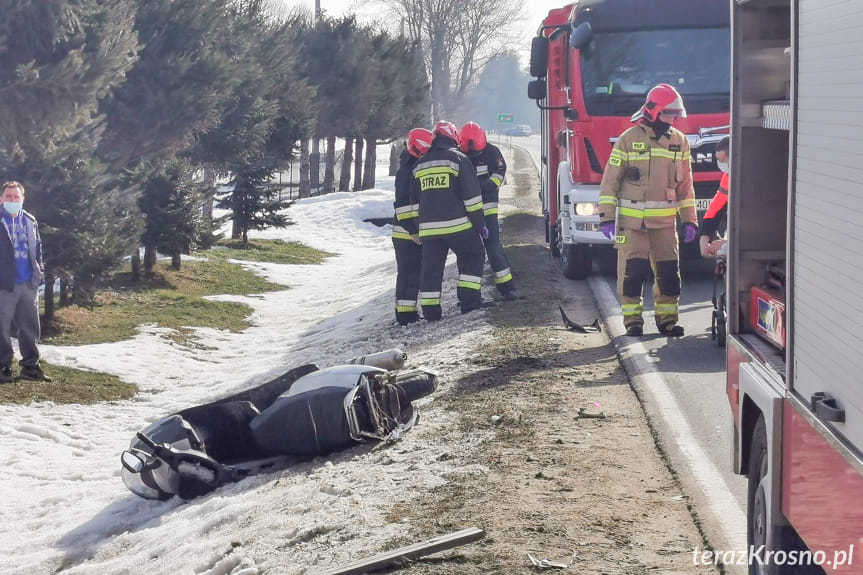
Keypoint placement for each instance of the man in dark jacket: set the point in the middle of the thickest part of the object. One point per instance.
(491, 170)
(446, 211)
(407, 245)
(20, 277)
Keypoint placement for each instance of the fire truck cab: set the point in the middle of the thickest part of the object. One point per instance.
(594, 62)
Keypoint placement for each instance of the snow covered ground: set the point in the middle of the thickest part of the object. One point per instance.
(65, 508)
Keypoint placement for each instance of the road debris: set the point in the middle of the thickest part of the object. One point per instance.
(546, 564)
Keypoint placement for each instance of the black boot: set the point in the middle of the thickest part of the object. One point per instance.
(634, 330)
(671, 330)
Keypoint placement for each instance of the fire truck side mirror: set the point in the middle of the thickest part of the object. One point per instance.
(570, 114)
(539, 57)
(581, 36)
(536, 90)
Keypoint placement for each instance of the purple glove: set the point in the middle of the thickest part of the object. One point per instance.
(689, 231)
(607, 229)
(484, 233)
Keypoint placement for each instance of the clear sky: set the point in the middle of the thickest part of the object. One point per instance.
(368, 10)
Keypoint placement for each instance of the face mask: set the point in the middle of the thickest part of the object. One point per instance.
(723, 166)
(12, 208)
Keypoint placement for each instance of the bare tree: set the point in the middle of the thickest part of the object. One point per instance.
(458, 37)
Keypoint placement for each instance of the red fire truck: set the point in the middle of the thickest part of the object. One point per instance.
(795, 273)
(595, 61)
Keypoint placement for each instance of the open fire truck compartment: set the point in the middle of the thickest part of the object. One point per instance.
(795, 273)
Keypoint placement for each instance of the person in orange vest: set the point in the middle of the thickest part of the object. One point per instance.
(647, 183)
(491, 170)
(709, 241)
(407, 245)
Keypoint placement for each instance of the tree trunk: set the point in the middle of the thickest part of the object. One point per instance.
(347, 160)
(371, 159)
(330, 169)
(64, 292)
(315, 165)
(175, 262)
(209, 184)
(49, 297)
(395, 155)
(238, 221)
(136, 266)
(358, 164)
(149, 261)
(305, 187)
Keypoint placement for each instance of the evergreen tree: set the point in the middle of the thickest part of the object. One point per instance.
(171, 203)
(271, 111)
(186, 72)
(59, 59)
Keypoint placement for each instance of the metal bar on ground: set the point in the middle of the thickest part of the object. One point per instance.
(390, 558)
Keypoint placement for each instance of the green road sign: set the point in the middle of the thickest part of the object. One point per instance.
(505, 118)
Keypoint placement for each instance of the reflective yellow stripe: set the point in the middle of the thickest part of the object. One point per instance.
(429, 301)
(659, 212)
(444, 231)
(496, 179)
(405, 308)
(474, 206)
(636, 157)
(610, 200)
(666, 308)
(616, 153)
(503, 279)
(661, 153)
(401, 236)
(631, 212)
(490, 211)
(469, 285)
(435, 170)
(685, 204)
(631, 308)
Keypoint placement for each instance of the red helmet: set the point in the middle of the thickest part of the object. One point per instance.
(471, 138)
(419, 142)
(662, 99)
(447, 130)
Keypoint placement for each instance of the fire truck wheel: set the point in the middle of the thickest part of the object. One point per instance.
(576, 261)
(757, 522)
(756, 516)
(554, 240)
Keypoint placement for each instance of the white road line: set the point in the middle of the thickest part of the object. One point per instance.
(727, 512)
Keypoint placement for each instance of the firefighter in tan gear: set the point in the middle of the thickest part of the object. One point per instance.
(647, 183)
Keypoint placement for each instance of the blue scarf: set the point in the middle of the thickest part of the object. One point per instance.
(17, 229)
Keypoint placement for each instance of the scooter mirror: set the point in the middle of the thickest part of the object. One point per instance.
(132, 462)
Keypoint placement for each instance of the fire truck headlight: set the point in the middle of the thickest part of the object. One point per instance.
(586, 209)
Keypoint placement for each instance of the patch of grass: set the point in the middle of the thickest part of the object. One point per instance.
(274, 251)
(171, 299)
(68, 385)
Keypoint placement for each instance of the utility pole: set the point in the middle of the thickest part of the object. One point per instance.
(315, 154)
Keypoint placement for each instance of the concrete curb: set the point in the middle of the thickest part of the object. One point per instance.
(725, 527)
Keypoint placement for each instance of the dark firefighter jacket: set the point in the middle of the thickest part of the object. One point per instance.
(445, 194)
(491, 170)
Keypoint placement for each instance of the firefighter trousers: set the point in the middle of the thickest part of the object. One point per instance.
(408, 264)
(640, 253)
(497, 257)
(470, 258)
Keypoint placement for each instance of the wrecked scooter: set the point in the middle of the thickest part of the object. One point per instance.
(305, 412)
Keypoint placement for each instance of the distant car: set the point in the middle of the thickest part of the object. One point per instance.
(518, 130)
